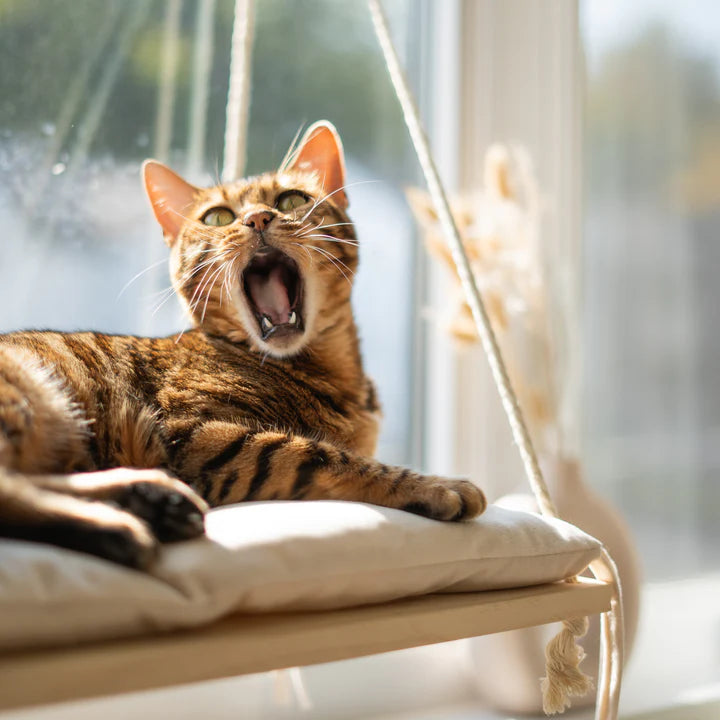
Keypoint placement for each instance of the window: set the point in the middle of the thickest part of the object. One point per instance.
(651, 224)
(80, 110)
(651, 253)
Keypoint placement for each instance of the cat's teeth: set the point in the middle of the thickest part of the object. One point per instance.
(266, 324)
(293, 318)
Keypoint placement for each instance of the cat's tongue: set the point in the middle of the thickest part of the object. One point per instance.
(270, 295)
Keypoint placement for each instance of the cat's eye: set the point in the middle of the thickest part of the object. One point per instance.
(291, 199)
(219, 216)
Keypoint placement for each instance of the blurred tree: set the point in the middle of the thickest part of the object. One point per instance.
(666, 127)
(312, 59)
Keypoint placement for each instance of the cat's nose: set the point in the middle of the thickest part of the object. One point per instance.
(258, 219)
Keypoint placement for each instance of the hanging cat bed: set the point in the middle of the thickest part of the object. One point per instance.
(414, 581)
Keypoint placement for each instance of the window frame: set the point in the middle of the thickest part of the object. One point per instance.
(465, 430)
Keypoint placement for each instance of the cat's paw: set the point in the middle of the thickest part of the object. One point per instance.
(171, 508)
(445, 499)
(112, 535)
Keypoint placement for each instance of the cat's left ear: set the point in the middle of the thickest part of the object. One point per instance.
(170, 197)
(321, 151)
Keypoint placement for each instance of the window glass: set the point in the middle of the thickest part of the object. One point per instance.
(652, 222)
(89, 89)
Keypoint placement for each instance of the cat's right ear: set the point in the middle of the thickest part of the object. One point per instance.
(169, 195)
(320, 151)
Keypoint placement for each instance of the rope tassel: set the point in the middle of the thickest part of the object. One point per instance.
(564, 678)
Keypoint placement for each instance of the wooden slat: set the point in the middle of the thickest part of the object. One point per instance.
(255, 643)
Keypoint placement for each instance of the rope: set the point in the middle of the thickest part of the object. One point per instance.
(563, 654)
(238, 102)
(474, 299)
(167, 80)
(200, 85)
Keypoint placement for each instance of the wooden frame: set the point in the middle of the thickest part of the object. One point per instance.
(243, 644)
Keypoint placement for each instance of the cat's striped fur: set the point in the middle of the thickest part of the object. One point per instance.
(264, 399)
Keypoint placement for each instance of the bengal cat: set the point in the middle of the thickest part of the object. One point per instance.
(265, 398)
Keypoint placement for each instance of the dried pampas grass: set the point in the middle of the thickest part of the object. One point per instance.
(500, 227)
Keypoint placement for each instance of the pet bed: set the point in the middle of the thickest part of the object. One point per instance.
(308, 620)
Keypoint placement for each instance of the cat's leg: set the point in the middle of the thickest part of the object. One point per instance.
(42, 433)
(28, 512)
(170, 507)
(229, 463)
(42, 429)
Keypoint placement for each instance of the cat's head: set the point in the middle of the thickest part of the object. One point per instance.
(267, 259)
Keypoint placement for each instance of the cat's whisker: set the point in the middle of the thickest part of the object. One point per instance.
(221, 260)
(293, 150)
(182, 332)
(194, 270)
(198, 290)
(162, 302)
(206, 263)
(209, 292)
(214, 258)
(334, 260)
(323, 227)
(306, 250)
(161, 293)
(304, 227)
(329, 195)
(332, 238)
(139, 275)
(225, 286)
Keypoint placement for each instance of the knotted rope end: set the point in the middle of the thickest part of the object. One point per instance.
(564, 678)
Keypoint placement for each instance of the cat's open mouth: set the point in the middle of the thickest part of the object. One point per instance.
(274, 291)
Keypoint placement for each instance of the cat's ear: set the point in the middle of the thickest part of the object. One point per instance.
(321, 151)
(169, 195)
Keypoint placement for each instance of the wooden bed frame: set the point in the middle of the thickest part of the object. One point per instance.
(243, 644)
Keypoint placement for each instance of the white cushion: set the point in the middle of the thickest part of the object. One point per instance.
(279, 556)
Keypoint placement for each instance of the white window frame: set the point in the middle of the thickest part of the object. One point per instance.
(481, 93)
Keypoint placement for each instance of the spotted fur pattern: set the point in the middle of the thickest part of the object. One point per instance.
(218, 414)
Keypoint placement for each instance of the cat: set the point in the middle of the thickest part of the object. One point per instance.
(110, 445)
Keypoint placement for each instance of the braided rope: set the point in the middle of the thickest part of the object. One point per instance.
(238, 102)
(474, 299)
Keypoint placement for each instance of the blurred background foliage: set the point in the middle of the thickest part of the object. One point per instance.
(651, 253)
(668, 131)
(314, 54)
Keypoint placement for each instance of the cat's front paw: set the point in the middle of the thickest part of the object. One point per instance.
(444, 499)
(171, 508)
(132, 544)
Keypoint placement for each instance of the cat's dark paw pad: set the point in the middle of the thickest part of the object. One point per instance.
(452, 500)
(171, 508)
(132, 545)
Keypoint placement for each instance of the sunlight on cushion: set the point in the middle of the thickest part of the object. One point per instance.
(279, 556)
